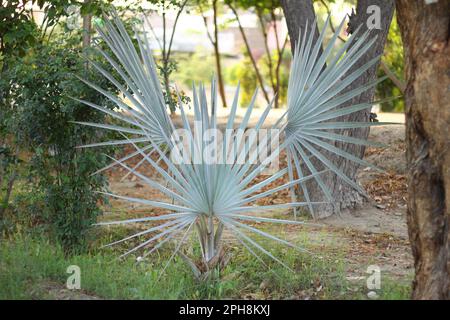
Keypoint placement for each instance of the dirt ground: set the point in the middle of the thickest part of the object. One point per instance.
(53, 290)
(375, 234)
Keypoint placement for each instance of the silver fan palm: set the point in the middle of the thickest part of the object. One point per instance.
(209, 195)
(215, 196)
(317, 97)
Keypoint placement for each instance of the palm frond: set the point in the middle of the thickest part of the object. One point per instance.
(221, 194)
(205, 193)
(318, 95)
(138, 83)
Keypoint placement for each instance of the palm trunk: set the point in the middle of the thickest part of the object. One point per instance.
(213, 255)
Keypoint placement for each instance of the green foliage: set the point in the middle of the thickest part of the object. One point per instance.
(17, 33)
(17, 30)
(40, 96)
(283, 73)
(197, 68)
(20, 37)
(242, 72)
(263, 6)
(393, 57)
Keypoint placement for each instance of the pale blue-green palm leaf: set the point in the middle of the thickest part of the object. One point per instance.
(211, 196)
(318, 96)
(138, 83)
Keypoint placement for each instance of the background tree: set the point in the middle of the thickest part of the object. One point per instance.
(425, 33)
(167, 64)
(268, 18)
(87, 25)
(266, 12)
(234, 5)
(391, 64)
(298, 14)
(214, 39)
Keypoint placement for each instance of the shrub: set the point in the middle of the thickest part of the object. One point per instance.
(41, 98)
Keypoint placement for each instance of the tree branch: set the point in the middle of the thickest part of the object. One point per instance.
(252, 59)
(174, 28)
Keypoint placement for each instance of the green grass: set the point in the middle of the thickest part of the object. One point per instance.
(27, 261)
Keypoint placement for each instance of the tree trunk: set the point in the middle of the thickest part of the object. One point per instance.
(345, 197)
(250, 54)
(298, 14)
(425, 33)
(217, 54)
(87, 26)
(9, 187)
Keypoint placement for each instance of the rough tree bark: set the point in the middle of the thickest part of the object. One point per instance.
(298, 14)
(345, 197)
(425, 32)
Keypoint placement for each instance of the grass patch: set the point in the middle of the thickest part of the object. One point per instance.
(27, 261)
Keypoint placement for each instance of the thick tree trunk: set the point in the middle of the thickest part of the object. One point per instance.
(425, 32)
(345, 197)
(298, 14)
